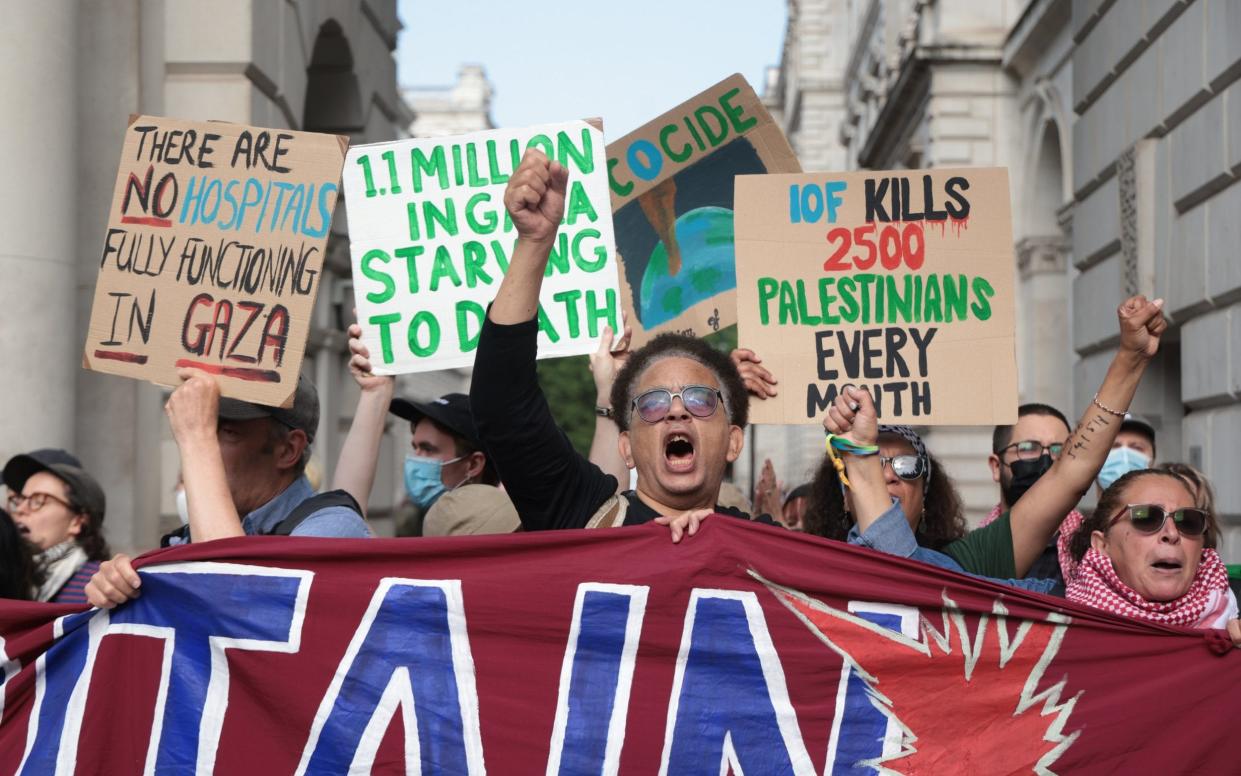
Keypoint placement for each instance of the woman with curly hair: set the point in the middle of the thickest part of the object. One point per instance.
(916, 478)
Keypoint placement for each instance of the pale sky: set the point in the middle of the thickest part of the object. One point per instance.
(625, 61)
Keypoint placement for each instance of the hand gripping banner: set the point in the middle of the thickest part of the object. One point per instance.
(743, 650)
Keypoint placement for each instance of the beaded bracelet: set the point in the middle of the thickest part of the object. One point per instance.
(835, 443)
(1108, 410)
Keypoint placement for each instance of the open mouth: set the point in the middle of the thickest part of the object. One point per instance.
(23, 529)
(1167, 565)
(679, 452)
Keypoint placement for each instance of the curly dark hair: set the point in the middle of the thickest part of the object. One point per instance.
(736, 401)
(20, 573)
(943, 518)
(1112, 500)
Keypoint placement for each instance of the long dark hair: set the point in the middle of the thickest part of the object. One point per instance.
(1112, 500)
(943, 518)
(20, 573)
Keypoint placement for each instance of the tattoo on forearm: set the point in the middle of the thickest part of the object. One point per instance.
(1080, 439)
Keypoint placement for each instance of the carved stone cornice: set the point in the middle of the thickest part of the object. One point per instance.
(1041, 255)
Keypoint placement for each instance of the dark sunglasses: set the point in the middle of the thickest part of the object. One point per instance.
(1149, 518)
(699, 400)
(907, 467)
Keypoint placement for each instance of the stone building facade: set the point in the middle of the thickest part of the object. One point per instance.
(1119, 124)
(72, 74)
(464, 106)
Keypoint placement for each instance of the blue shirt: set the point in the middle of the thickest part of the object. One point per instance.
(891, 534)
(329, 522)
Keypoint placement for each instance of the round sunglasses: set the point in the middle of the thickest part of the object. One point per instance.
(1149, 519)
(907, 467)
(701, 401)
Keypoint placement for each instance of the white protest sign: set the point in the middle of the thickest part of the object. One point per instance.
(431, 241)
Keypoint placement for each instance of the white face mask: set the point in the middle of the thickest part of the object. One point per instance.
(183, 507)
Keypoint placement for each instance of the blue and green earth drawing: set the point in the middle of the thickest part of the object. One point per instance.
(703, 201)
(705, 236)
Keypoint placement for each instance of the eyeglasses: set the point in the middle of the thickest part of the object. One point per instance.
(35, 501)
(907, 467)
(1030, 450)
(1149, 519)
(701, 401)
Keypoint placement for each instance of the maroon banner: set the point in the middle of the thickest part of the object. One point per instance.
(744, 649)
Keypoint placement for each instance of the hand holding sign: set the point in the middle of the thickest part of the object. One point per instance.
(1141, 325)
(360, 363)
(535, 196)
(758, 381)
(607, 361)
(193, 408)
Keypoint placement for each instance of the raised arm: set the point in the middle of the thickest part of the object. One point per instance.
(535, 201)
(853, 416)
(359, 455)
(193, 412)
(551, 485)
(1036, 515)
(605, 445)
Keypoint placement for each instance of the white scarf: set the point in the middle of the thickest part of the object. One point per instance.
(60, 562)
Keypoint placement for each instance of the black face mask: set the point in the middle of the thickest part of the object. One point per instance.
(1025, 474)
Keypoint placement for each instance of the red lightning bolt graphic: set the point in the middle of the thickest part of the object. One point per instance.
(960, 698)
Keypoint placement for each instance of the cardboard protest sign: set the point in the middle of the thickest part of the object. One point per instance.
(901, 282)
(213, 253)
(431, 241)
(672, 202)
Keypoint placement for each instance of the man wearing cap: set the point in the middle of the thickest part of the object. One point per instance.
(243, 465)
(58, 508)
(1133, 449)
(446, 451)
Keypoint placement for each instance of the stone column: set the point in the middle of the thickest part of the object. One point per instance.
(118, 420)
(1044, 362)
(39, 339)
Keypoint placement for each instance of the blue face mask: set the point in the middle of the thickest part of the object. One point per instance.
(1120, 461)
(424, 479)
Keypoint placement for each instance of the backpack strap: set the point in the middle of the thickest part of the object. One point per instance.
(182, 533)
(610, 514)
(332, 498)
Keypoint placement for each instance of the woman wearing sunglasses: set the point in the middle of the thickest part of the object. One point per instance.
(913, 476)
(1143, 554)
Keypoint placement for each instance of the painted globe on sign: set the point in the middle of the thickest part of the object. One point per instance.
(707, 266)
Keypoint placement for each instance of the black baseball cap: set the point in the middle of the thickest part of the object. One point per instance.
(452, 411)
(304, 413)
(84, 490)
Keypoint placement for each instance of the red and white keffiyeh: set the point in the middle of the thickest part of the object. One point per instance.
(1204, 605)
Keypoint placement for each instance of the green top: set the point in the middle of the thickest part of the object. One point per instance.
(987, 551)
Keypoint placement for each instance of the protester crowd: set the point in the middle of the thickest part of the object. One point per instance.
(673, 411)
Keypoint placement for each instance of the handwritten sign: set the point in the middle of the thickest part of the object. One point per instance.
(672, 201)
(431, 241)
(901, 282)
(213, 254)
